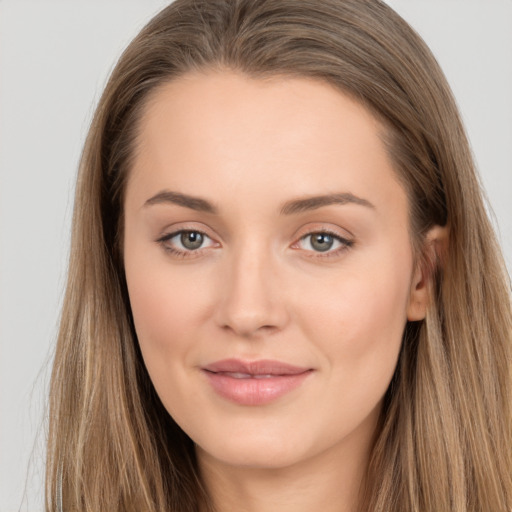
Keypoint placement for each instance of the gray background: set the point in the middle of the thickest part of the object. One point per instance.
(54, 60)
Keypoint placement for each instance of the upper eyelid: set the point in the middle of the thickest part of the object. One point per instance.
(325, 231)
(173, 233)
(346, 236)
(170, 231)
(324, 227)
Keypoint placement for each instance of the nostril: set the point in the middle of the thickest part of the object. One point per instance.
(249, 331)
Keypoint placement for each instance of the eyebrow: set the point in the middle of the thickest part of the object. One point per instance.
(194, 203)
(290, 208)
(312, 203)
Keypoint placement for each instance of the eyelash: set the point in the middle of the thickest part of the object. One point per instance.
(345, 244)
(179, 253)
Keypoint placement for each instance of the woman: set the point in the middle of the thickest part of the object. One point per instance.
(284, 291)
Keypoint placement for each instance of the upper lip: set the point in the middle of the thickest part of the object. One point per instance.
(260, 367)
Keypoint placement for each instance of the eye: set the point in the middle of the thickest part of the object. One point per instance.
(323, 242)
(190, 240)
(186, 241)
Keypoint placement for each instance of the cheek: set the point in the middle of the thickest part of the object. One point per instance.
(359, 317)
(161, 306)
(168, 307)
(167, 312)
(358, 328)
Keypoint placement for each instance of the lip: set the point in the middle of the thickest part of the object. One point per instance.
(254, 382)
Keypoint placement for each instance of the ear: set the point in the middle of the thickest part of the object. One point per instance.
(434, 248)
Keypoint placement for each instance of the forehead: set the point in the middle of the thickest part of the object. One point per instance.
(226, 133)
(283, 110)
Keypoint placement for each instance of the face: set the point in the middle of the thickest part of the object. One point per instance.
(269, 265)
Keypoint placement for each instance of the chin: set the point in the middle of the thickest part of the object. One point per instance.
(264, 455)
(261, 446)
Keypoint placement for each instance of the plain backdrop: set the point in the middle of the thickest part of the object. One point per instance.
(55, 57)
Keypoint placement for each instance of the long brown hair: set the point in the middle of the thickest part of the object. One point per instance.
(445, 439)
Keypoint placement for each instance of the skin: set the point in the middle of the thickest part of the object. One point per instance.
(258, 289)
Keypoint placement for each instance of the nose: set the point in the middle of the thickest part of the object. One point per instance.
(252, 298)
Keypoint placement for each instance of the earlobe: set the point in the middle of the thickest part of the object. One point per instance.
(432, 256)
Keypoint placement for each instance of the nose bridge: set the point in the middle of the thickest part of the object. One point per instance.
(252, 301)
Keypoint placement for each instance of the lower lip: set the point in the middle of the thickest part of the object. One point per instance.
(255, 391)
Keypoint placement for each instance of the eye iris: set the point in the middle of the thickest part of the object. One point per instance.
(191, 240)
(321, 242)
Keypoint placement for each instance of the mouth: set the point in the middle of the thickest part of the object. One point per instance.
(238, 375)
(256, 382)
